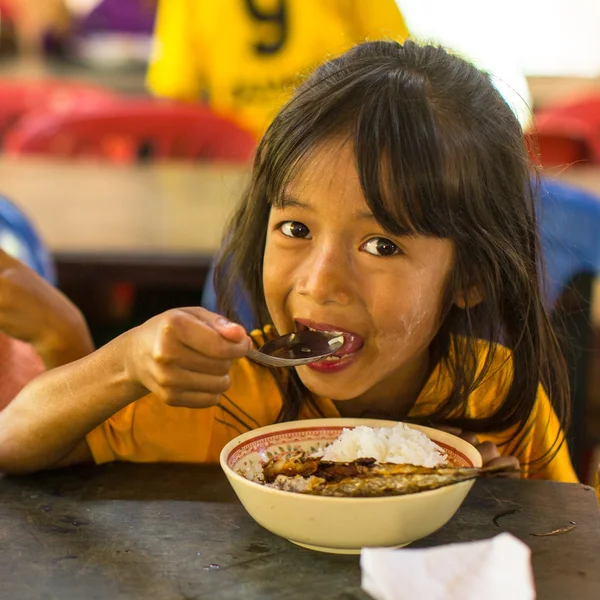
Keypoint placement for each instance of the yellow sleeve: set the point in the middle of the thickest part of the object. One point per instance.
(148, 430)
(174, 70)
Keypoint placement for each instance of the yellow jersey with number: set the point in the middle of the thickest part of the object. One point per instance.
(244, 57)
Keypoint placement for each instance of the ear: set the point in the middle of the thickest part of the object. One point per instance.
(473, 297)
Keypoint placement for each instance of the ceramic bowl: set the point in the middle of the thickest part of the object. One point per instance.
(339, 525)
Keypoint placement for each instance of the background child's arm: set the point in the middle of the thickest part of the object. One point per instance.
(183, 356)
(34, 311)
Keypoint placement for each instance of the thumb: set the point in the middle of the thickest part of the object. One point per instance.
(222, 325)
(229, 330)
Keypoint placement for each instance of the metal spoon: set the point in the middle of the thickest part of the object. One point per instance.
(297, 348)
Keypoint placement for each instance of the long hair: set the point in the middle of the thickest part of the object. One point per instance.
(440, 153)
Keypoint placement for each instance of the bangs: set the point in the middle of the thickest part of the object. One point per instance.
(404, 163)
(410, 175)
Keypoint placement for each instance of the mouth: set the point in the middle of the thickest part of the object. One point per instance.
(353, 342)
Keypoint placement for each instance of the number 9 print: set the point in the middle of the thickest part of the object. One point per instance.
(275, 21)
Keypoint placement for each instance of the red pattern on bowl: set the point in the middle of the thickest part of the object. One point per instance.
(245, 458)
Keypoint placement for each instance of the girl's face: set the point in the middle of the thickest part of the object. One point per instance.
(329, 265)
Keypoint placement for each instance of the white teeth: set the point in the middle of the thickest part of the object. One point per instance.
(325, 331)
(334, 358)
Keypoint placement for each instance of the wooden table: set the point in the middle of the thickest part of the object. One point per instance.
(134, 222)
(153, 531)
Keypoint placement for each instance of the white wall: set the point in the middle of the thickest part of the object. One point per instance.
(541, 37)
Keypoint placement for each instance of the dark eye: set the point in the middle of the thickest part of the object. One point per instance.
(380, 247)
(295, 229)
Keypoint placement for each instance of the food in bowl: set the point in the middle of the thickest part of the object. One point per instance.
(400, 444)
(330, 523)
(367, 462)
(363, 477)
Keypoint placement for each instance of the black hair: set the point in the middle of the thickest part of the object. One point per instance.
(440, 153)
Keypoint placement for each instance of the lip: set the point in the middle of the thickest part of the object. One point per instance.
(353, 342)
(329, 368)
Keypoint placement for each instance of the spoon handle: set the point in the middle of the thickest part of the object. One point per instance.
(269, 361)
(274, 361)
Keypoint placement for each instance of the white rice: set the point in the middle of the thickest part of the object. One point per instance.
(399, 444)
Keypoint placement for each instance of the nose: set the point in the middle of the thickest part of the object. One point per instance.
(325, 277)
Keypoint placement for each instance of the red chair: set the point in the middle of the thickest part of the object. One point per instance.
(568, 132)
(131, 130)
(20, 97)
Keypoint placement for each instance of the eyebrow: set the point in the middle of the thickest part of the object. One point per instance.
(291, 202)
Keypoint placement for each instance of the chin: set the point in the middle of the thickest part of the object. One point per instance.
(336, 390)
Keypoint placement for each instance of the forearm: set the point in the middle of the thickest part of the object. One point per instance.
(66, 342)
(54, 412)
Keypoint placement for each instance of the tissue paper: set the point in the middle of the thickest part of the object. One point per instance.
(494, 569)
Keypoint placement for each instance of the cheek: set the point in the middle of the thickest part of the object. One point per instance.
(276, 279)
(269, 274)
(408, 316)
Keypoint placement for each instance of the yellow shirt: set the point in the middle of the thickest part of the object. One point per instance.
(150, 431)
(245, 56)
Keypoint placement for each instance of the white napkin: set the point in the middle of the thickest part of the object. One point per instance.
(497, 568)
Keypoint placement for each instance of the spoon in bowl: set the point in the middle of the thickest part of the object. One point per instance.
(297, 348)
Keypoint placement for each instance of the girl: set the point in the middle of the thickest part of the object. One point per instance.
(390, 200)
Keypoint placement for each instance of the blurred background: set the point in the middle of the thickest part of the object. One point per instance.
(127, 128)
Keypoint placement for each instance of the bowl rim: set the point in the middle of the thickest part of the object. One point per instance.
(232, 445)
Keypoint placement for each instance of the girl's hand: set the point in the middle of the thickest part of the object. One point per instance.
(34, 311)
(184, 356)
(490, 455)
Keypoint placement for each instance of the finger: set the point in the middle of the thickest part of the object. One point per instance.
(171, 354)
(488, 451)
(507, 461)
(449, 429)
(470, 437)
(194, 400)
(201, 335)
(225, 347)
(171, 382)
(229, 330)
(232, 332)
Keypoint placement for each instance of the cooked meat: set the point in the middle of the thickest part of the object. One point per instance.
(304, 465)
(298, 463)
(363, 477)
